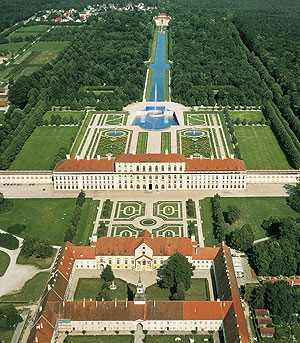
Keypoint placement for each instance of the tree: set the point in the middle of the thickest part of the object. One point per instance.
(233, 214)
(242, 239)
(179, 294)
(80, 199)
(177, 269)
(9, 317)
(107, 274)
(294, 198)
(37, 247)
(105, 293)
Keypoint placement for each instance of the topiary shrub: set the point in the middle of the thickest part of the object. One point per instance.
(16, 229)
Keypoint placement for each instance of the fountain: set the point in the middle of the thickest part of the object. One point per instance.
(112, 287)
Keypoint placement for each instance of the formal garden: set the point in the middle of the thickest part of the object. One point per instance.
(100, 339)
(169, 230)
(195, 119)
(195, 142)
(113, 142)
(168, 210)
(129, 210)
(125, 230)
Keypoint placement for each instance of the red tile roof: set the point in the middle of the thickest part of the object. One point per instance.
(229, 164)
(125, 246)
(73, 165)
(205, 310)
(205, 253)
(162, 16)
(262, 313)
(264, 321)
(150, 158)
(3, 103)
(267, 331)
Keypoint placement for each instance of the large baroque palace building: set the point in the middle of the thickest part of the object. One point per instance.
(58, 313)
(149, 172)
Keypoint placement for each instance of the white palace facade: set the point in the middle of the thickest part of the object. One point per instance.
(149, 172)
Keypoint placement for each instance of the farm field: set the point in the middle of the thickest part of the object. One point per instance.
(259, 148)
(41, 148)
(34, 28)
(47, 218)
(49, 46)
(253, 212)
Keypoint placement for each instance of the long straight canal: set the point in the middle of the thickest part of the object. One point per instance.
(157, 93)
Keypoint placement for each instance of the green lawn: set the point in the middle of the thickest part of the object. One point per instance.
(22, 34)
(259, 148)
(254, 211)
(48, 218)
(31, 291)
(49, 46)
(4, 262)
(142, 142)
(171, 338)
(12, 46)
(165, 143)
(199, 291)
(248, 115)
(82, 131)
(89, 289)
(35, 28)
(42, 146)
(64, 114)
(6, 336)
(100, 339)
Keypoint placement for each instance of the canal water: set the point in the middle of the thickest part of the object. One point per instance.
(159, 67)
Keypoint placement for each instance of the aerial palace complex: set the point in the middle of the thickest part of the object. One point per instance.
(144, 161)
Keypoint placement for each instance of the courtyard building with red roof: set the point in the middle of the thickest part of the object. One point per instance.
(57, 314)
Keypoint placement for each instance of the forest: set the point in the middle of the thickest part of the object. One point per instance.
(209, 63)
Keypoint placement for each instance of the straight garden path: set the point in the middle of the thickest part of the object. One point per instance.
(220, 142)
(199, 224)
(96, 223)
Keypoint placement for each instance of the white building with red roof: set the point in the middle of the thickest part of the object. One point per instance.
(162, 20)
(57, 314)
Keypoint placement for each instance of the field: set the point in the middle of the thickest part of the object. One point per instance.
(77, 115)
(49, 46)
(47, 218)
(253, 211)
(259, 148)
(248, 115)
(31, 291)
(99, 339)
(4, 262)
(22, 34)
(41, 148)
(12, 46)
(90, 288)
(34, 28)
(198, 292)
